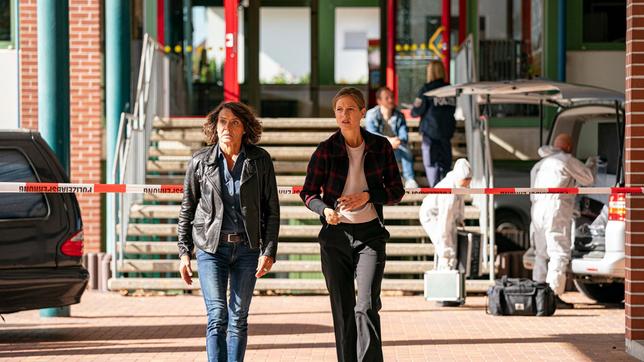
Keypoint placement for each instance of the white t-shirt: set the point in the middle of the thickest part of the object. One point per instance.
(356, 183)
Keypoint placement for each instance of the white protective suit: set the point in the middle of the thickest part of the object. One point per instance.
(552, 214)
(440, 214)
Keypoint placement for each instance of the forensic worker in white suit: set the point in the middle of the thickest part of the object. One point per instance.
(552, 213)
(440, 214)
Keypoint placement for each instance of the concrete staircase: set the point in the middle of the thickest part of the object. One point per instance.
(151, 253)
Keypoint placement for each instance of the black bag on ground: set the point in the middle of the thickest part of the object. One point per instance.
(520, 296)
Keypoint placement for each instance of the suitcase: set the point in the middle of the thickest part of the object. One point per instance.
(445, 286)
(449, 285)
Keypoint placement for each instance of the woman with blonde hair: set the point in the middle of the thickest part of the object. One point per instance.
(437, 124)
(350, 176)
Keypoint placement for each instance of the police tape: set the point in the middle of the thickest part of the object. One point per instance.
(43, 187)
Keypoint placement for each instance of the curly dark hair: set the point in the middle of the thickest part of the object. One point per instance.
(252, 126)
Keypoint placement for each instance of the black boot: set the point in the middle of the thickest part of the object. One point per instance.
(561, 304)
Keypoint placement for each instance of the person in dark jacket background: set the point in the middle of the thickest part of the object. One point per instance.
(230, 212)
(437, 125)
(350, 176)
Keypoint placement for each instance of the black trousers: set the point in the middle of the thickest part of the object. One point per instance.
(348, 252)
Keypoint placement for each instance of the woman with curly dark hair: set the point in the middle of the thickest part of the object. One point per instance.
(230, 212)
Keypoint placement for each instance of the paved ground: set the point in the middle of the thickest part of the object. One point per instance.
(113, 327)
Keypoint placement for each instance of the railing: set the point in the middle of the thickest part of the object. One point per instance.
(152, 99)
(500, 60)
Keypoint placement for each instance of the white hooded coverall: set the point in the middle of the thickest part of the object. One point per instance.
(552, 214)
(441, 213)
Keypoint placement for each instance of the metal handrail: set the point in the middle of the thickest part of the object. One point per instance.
(132, 124)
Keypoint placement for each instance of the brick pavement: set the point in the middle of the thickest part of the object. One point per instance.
(286, 328)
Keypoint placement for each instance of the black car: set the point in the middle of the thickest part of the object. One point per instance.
(41, 234)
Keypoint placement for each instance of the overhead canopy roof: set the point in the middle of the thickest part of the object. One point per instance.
(530, 91)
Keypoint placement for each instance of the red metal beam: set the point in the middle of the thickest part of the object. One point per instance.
(462, 21)
(231, 82)
(391, 41)
(447, 15)
(161, 21)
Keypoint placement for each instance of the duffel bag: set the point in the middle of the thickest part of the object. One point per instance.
(520, 296)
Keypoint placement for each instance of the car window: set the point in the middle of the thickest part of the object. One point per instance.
(599, 139)
(14, 167)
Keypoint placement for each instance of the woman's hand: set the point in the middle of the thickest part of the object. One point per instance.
(185, 269)
(353, 202)
(332, 216)
(264, 266)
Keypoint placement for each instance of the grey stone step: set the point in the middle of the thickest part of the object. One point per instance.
(279, 284)
(408, 198)
(268, 138)
(282, 266)
(286, 231)
(282, 180)
(398, 212)
(283, 153)
(285, 247)
(267, 123)
(178, 180)
(281, 167)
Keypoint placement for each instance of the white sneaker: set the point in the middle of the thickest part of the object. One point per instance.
(411, 184)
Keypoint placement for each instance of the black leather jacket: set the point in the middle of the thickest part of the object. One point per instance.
(202, 209)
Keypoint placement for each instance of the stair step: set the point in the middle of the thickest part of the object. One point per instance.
(268, 138)
(279, 284)
(281, 167)
(267, 123)
(282, 180)
(283, 153)
(284, 248)
(398, 212)
(282, 266)
(408, 198)
(286, 231)
(178, 180)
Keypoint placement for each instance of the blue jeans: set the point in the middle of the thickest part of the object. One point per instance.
(437, 159)
(406, 158)
(227, 330)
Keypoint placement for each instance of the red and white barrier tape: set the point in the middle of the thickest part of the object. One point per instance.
(34, 187)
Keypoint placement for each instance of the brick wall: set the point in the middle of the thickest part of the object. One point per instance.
(86, 109)
(28, 48)
(634, 176)
(85, 98)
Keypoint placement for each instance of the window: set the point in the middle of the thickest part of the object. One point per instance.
(604, 21)
(6, 26)
(14, 167)
(285, 45)
(354, 26)
(208, 42)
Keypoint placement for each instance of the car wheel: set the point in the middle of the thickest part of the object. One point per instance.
(601, 292)
(512, 233)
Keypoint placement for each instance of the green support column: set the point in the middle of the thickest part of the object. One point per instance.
(150, 18)
(117, 91)
(326, 52)
(252, 25)
(53, 77)
(550, 68)
(187, 49)
(550, 44)
(53, 90)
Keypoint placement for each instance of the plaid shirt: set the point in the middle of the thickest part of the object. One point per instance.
(327, 172)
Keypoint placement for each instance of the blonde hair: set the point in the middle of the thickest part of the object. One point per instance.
(435, 71)
(352, 92)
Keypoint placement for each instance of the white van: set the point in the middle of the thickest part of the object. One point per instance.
(595, 119)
